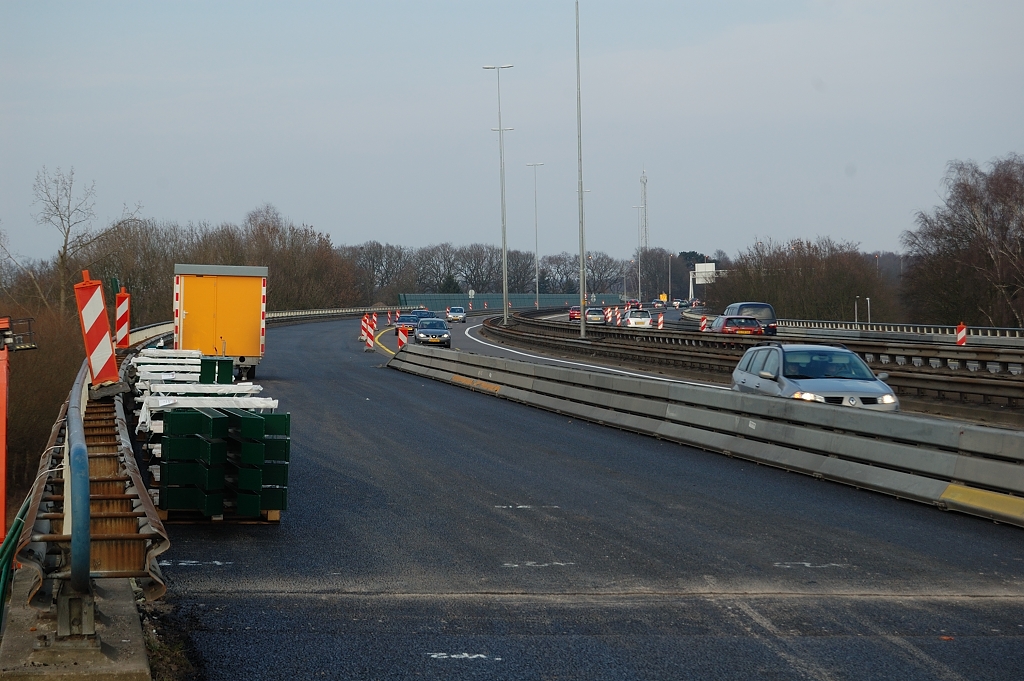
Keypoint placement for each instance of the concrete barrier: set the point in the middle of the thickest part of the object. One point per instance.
(956, 466)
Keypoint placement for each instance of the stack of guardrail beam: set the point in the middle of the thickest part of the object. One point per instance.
(214, 448)
(952, 465)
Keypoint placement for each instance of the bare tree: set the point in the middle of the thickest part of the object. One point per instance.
(71, 215)
(603, 272)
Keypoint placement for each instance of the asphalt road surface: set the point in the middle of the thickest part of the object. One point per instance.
(438, 533)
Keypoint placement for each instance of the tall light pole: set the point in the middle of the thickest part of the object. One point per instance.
(579, 155)
(501, 156)
(536, 240)
(639, 250)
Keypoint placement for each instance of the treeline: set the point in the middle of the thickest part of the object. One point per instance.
(964, 262)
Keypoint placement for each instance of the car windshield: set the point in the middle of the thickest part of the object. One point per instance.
(757, 311)
(825, 363)
(432, 324)
(640, 314)
(595, 311)
(408, 319)
(457, 310)
(743, 322)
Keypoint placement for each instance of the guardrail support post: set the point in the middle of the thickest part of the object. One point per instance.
(76, 614)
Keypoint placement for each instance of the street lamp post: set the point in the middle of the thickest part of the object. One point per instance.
(639, 248)
(501, 157)
(579, 156)
(536, 241)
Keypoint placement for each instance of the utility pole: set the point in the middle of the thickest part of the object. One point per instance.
(501, 156)
(536, 240)
(579, 155)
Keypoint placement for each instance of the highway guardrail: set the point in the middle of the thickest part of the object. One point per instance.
(993, 373)
(954, 466)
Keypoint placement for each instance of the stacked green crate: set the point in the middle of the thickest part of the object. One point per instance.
(193, 454)
(258, 455)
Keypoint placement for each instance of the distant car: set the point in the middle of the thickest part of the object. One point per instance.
(407, 322)
(595, 315)
(763, 312)
(658, 304)
(743, 326)
(423, 314)
(433, 332)
(813, 373)
(676, 303)
(574, 313)
(633, 303)
(641, 318)
(456, 314)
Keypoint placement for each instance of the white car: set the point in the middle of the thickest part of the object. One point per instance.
(640, 318)
(456, 314)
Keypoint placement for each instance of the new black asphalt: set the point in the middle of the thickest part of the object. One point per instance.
(437, 533)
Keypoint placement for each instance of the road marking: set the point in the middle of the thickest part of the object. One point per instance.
(462, 656)
(193, 563)
(381, 345)
(527, 506)
(532, 563)
(809, 565)
(588, 366)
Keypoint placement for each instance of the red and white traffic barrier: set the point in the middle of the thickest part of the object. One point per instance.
(369, 343)
(389, 317)
(374, 327)
(99, 348)
(703, 323)
(485, 304)
(607, 315)
(263, 317)
(122, 318)
(961, 334)
(661, 320)
(448, 310)
(364, 327)
(471, 306)
(403, 337)
(618, 317)
(510, 304)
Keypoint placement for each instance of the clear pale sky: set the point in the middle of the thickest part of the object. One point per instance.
(372, 120)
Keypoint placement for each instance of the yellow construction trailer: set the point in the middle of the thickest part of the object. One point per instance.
(221, 310)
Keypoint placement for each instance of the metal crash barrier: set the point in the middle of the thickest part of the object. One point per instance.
(956, 466)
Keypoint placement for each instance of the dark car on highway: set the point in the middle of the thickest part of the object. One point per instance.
(423, 314)
(407, 322)
(433, 332)
(763, 312)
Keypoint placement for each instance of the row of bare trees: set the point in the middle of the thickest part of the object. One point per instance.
(966, 257)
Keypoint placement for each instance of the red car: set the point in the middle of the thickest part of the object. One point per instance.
(574, 313)
(633, 303)
(743, 326)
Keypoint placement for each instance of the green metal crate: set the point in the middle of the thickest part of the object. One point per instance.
(274, 499)
(275, 474)
(248, 503)
(207, 370)
(246, 451)
(277, 424)
(208, 422)
(193, 448)
(244, 477)
(191, 473)
(192, 499)
(277, 448)
(245, 423)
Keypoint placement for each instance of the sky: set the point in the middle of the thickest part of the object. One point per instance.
(372, 120)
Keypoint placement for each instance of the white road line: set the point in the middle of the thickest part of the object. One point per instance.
(589, 366)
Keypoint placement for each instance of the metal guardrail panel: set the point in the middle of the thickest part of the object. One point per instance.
(910, 457)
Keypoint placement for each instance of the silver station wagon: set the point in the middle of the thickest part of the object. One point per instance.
(813, 373)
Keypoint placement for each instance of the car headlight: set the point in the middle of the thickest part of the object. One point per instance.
(888, 399)
(807, 397)
(421, 335)
(444, 335)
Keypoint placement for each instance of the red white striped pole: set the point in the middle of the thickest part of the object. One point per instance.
(92, 313)
(485, 304)
(607, 315)
(263, 319)
(471, 306)
(703, 323)
(403, 337)
(618, 317)
(961, 334)
(374, 326)
(661, 320)
(389, 317)
(364, 328)
(122, 318)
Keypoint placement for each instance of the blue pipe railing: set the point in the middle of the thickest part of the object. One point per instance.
(79, 476)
